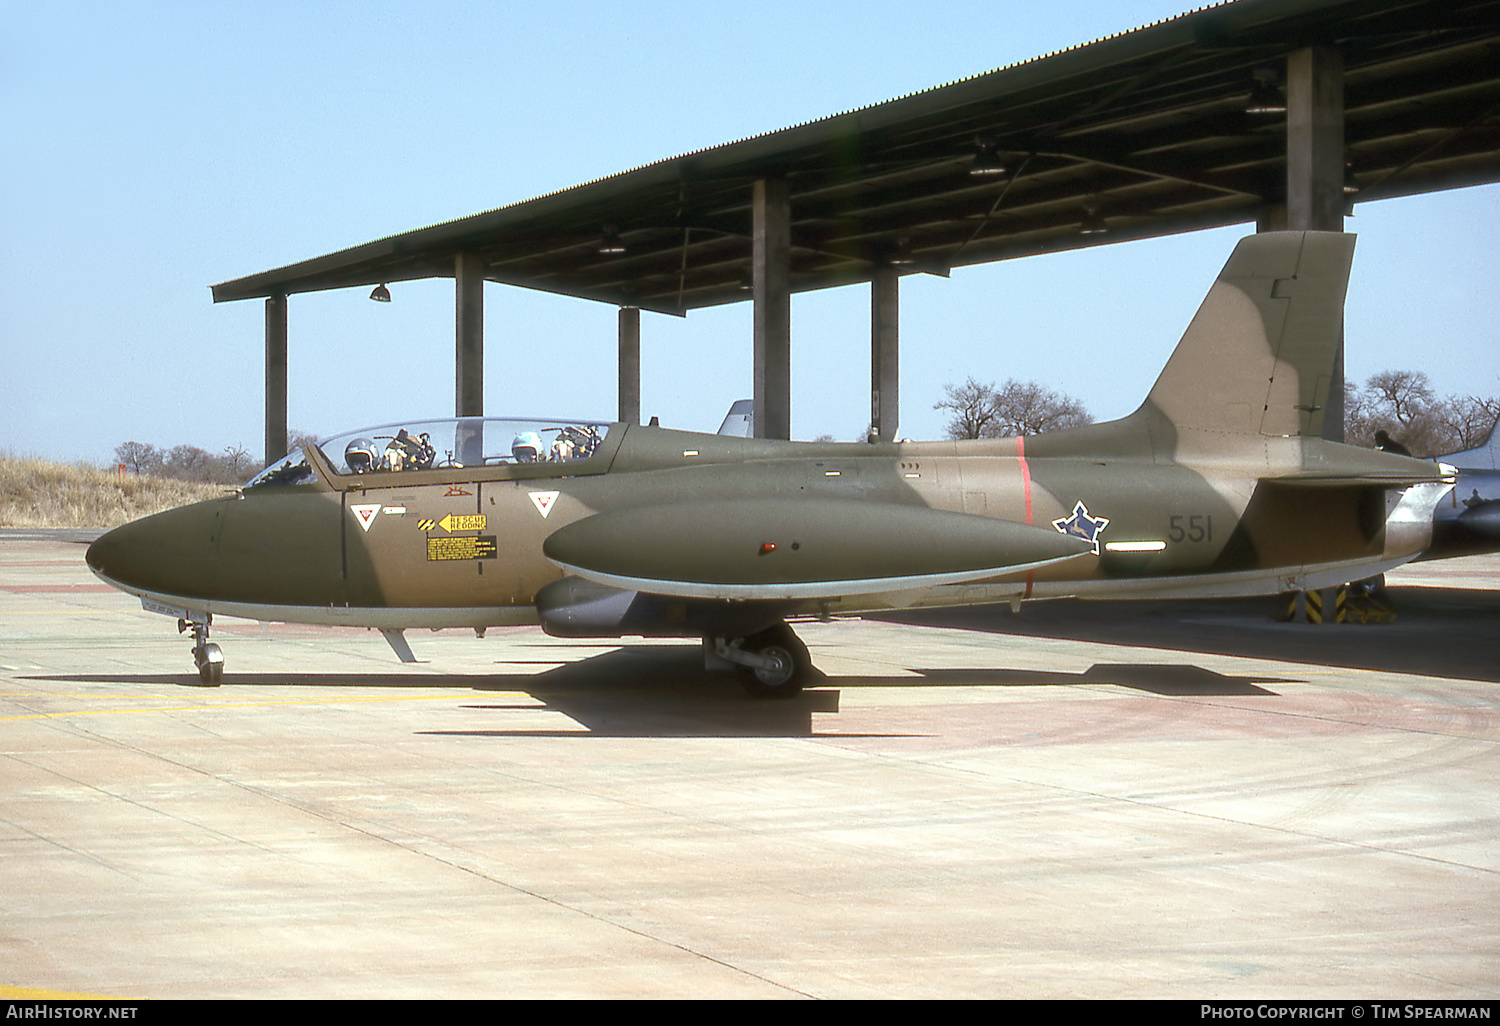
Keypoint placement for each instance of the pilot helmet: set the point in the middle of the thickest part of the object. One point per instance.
(360, 455)
(527, 447)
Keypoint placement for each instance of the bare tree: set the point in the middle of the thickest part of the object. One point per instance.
(1016, 408)
(237, 462)
(1407, 395)
(188, 463)
(1468, 420)
(295, 440)
(1027, 408)
(972, 407)
(1359, 416)
(1404, 405)
(139, 457)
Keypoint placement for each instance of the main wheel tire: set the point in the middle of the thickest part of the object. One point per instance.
(786, 678)
(210, 665)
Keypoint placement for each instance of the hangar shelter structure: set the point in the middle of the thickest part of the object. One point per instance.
(1279, 112)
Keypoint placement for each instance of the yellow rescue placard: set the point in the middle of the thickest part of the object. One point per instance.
(455, 522)
(465, 547)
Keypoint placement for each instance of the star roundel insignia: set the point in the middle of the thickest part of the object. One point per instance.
(1081, 525)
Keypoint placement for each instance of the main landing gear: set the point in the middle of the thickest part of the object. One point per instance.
(206, 655)
(772, 664)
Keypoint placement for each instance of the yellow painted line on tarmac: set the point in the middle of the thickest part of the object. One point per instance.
(36, 994)
(245, 705)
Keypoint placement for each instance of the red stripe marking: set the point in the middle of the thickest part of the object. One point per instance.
(1025, 474)
(1025, 491)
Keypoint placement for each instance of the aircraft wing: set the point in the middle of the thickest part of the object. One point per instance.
(797, 548)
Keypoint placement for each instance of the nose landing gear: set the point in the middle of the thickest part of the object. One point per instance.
(206, 655)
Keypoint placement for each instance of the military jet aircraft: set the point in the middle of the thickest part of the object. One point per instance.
(1467, 521)
(1218, 485)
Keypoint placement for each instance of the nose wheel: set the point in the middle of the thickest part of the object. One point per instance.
(206, 655)
(210, 664)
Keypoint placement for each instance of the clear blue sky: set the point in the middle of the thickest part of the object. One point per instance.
(157, 148)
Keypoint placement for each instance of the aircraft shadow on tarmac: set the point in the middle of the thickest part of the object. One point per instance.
(1439, 632)
(663, 691)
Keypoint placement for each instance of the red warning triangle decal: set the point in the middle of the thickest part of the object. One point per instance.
(365, 514)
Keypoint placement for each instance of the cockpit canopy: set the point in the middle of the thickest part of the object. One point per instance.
(456, 442)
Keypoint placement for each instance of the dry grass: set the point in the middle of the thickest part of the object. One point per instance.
(36, 493)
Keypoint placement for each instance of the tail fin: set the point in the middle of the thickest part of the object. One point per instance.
(737, 420)
(1484, 456)
(1258, 357)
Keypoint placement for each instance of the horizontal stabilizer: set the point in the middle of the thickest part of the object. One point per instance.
(797, 548)
(1324, 465)
(1322, 479)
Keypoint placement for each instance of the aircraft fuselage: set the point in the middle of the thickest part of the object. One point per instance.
(464, 547)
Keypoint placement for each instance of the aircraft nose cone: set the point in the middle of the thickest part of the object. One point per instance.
(171, 553)
(103, 554)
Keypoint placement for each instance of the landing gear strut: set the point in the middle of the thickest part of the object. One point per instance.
(772, 664)
(206, 655)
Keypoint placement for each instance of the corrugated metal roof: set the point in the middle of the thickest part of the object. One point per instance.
(1148, 127)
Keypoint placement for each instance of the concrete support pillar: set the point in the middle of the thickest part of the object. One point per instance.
(1315, 189)
(1272, 217)
(1315, 140)
(630, 364)
(468, 273)
(771, 266)
(1315, 171)
(885, 353)
(275, 378)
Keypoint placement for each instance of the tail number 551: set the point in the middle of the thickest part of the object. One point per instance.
(1193, 527)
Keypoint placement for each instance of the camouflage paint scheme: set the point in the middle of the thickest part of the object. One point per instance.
(1219, 484)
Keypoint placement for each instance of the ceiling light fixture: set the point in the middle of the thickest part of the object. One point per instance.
(1265, 97)
(987, 161)
(611, 242)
